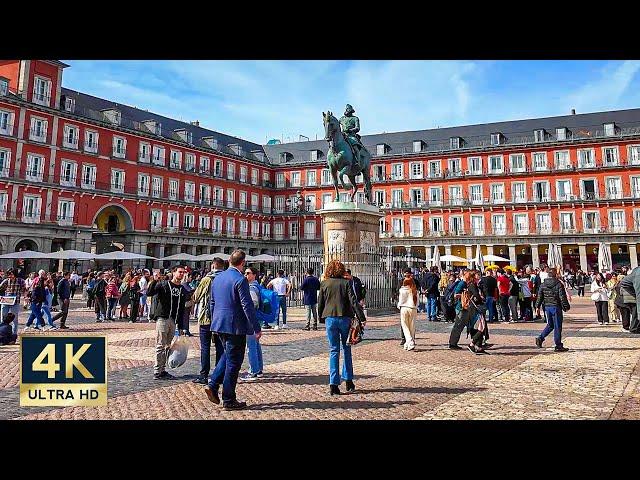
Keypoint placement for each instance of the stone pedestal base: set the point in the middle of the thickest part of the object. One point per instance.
(350, 234)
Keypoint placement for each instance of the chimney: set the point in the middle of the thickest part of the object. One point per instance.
(573, 111)
(196, 123)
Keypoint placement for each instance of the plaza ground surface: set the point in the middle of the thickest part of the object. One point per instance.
(599, 378)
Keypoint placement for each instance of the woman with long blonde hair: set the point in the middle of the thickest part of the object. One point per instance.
(407, 304)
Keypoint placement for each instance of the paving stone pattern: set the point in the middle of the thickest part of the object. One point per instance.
(599, 378)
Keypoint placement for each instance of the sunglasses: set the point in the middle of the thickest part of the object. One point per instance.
(248, 272)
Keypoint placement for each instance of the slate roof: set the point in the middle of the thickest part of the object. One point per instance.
(90, 106)
(516, 132)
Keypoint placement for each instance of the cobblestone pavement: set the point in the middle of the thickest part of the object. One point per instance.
(599, 378)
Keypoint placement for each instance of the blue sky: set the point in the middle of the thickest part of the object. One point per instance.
(260, 100)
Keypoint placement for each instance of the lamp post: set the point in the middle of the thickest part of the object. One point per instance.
(298, 205)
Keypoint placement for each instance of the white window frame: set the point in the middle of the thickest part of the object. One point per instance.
(255, 175)
(173, 221)
(266, 203)
(539, 161)
(477, 200)
(119, 153)
(616, 156)
(618, 192)
(158, 157)
(416, 232)
(520, 169)
(144, 184)
(609, 129)
(231, 171)
(561, 133)
(634, 189)
(72, 182)
(32, 174)
(522, 186)
(216, 225)
(525, 229)
(547, 198)
(278, 231)
(435, 202)
(42, 96)
(435, 172)
(563, 227)
(93, 173)
(38, 134)
(242, 200)
(633, 154)
(144, 152)
(188, 221)
(547, 228)
(156, 219)
(581, 163)
(491, 169)
(475, 230)
(397, 225)
(598, 223)
(295, 179)
(621, 227)
(453, 172)
(397, 171)
(255, 200)
(175, 159)
(243, 174)
(438, 221)
(4, 204)
(280, 182)
(499, 229)
(310, 229)
(205, 164)
(538, 135)
(5, 164)
(416, 170)
(91, 147)
(416, 196)
(231, 198)
(69, 211)
(70, 136)
(474, 171)
(266, 230)
(189, 162)
(496, 199)
(116, 173)
(595, 187)
(156, 186)
(243, 228)
(456, 219)
(456, 199)
(37, 208)
(326, 177)
(560, 161)
(568, 195)
(311, 178)
(6, 126)
(174, 188)
(189, 192)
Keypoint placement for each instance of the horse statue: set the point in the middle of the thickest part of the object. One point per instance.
(340, 159)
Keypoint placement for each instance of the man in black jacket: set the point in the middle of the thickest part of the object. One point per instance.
(431, 281)
(64, 295)
(357, 286)
(100, 292)
(553, 297)
(169, 311)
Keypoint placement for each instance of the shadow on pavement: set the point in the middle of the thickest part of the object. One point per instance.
(422, 390)
(301, 379)
(328, 405)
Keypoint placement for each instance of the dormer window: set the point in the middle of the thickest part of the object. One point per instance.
(69, 104)
(455, 142)
(4, 86)
(112, 115)
(259, 154)
(382, 148)
(315, 155)
(235, 148)
(496, 138)
(286, 157)
(42, 91)
(418, 145)
(211, 142)
(561, 133)
(153, 126)
(539, 135)
(184, 135)
(609, 129)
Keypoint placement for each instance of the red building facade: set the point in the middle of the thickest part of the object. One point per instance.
(81, 172)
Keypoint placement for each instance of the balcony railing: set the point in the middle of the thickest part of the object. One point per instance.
(73, 143)
(91, 147)
(38, 135)
(117, 153)
(6, 129)
(144, 157)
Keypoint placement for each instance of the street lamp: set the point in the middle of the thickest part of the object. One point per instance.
(298, 205)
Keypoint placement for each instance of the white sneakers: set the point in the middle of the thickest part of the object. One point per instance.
(284, 326)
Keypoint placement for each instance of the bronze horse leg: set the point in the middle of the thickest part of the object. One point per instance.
(352, 179)
(334, 174)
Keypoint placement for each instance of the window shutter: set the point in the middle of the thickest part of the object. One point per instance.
(48, 93)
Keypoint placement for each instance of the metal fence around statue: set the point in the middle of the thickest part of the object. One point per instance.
(379, 270)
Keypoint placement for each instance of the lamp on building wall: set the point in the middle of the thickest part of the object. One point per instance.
(619, 250)
(524, 251)
(570, 251)
(502, 251)
(595, 250)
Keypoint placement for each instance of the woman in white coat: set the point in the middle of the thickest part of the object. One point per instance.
(407, 303)
(600, 295)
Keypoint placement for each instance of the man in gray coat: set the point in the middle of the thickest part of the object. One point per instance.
(631, 284)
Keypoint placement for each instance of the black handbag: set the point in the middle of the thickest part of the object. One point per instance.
(356, 332)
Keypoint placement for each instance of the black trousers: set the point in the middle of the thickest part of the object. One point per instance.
(634, 327)
(133, 312)
(462, 319)
(602, 309)
(625, 313)
(504, 307)
(64, 311)
(581, 291)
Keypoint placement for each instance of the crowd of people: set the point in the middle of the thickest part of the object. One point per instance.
(227, 301)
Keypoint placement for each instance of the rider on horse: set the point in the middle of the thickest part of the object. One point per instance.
(350, 125)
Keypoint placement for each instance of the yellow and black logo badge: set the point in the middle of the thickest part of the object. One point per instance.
(63, 371)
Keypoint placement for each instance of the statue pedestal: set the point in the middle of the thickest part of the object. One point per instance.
(350, 234)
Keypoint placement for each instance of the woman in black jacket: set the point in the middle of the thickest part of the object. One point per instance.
(338, 305)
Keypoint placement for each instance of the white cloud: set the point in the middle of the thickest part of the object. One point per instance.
(606, 90)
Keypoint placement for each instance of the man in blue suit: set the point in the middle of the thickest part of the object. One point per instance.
(233, 317)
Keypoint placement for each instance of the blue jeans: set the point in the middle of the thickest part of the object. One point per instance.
(491, 309)
(255, 354)
(111, 309)
(36, 312)
(554, 323)
(46, 313)
(15, 309)
(283, 307)
(228, 368)
(206, 335)
(432, 307)
(337, 333)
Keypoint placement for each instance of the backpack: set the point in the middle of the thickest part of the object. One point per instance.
(449, 299)
(269, 306)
